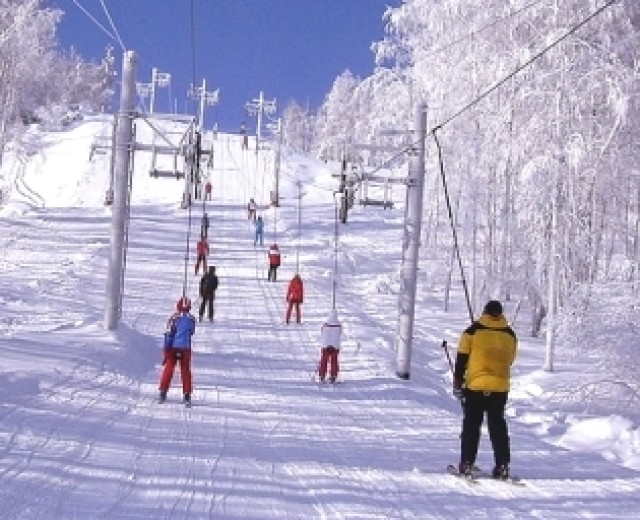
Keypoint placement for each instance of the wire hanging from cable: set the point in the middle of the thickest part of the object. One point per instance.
(194, 158)
(193, 47)
(336, 218)
(456, 245)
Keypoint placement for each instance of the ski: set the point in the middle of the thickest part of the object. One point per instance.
(327, 382)
(511, 479)
(163, 400)
(478, 474)
(452, 469)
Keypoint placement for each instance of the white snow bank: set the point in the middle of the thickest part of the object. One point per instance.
(614, 437)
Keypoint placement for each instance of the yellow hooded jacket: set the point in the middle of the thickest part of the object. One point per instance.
(486, 351)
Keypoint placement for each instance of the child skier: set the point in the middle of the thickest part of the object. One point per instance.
(330, 337)
(177, 349)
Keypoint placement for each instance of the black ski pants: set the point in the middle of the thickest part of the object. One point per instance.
(207, 302)
(476, 404)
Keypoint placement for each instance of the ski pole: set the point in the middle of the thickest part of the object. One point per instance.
(446, 351)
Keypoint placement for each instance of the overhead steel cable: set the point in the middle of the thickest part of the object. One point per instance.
(115, 30)
(97, 23)
(483, 28)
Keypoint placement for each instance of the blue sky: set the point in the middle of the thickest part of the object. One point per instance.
(289, 49)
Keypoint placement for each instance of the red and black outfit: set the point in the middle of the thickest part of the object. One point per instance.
(203, 251)
(295, 296)
(177, 349)
(274, 262)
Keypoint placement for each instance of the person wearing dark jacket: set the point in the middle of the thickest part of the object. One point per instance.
(208, 286)
(204, 226)
(486, 351)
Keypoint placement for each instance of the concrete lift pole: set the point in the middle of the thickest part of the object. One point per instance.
(119, 209)
(411, 245)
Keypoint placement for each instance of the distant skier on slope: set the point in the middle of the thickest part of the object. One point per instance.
(259, 237)
(202, 250)
(486, 351)
(251, 209)
(245, 137)
(295, 297)
(204, 225)
(208, 287)
(274, 262)
(177, 349)
(330, 339)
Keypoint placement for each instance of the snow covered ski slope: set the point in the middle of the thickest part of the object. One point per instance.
(82, 435)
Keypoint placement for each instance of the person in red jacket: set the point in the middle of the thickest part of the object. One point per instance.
(207, 191)
(203, 252)
(274, 262)
(295, 296)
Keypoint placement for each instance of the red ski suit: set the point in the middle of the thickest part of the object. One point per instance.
(203, 251)
(295, 296)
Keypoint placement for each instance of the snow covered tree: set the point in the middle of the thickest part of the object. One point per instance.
(35, 74)
(335, 122)
(575, 99)
(297, 127)
(27, 49)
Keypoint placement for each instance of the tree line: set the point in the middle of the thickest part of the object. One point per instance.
(542, 171)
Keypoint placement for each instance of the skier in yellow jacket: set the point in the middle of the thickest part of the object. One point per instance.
(486, 351)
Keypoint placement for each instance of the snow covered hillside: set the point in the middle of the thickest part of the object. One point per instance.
(83, 437)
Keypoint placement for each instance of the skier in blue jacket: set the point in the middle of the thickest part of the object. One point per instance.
(177, 348)
(259, 232)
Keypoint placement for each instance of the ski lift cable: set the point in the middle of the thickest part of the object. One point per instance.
(115, 30)
(526, 64)
(97, 23)
(188, 179)
(482, 28)
(454, 233)
(334, 284)
(194, 165)
(193, 46)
